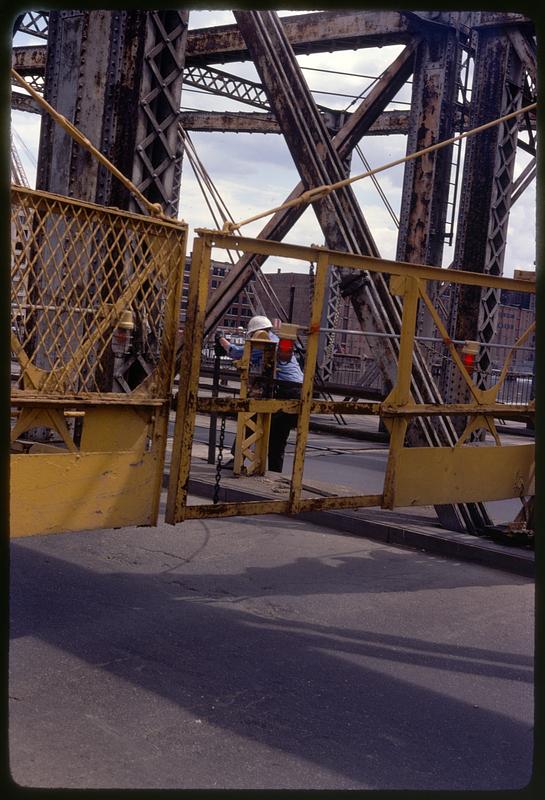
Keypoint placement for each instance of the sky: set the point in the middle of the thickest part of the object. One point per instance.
(255, 172)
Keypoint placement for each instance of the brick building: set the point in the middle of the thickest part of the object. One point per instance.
(293, 291)
(240, 310)
(516, 312)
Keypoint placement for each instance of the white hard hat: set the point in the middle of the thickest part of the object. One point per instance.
(258, 324)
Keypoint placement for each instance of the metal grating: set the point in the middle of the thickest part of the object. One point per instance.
(76, 269)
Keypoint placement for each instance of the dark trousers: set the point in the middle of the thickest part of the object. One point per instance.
(282, 424)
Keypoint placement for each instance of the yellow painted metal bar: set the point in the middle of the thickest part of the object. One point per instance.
(189, 381)
(159, 443)
(241, 509)
(174, 279)
(254, 507)
(33, 377)
(244, 366)
(401, 392)
(44, 199)
(352, 501)
(480, 421)
(355, 261)
(207, 405)
(85, 399)
(475, 391)
(269, 406)
(303, 421)
(43, 417)
(451, 409)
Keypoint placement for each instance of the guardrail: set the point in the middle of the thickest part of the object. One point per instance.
(428, 475)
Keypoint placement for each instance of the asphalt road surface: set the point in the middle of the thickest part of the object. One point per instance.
(264, 653)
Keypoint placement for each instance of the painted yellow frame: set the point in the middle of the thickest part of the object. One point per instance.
(114, 477)
(412, 473)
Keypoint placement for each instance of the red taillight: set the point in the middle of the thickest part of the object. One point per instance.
(468, 360)
(285, 349)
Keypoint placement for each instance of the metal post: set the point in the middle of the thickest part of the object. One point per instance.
(214, 416)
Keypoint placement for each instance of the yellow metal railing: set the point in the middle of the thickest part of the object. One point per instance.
(77, 269)
(94, 317)
(457, 473)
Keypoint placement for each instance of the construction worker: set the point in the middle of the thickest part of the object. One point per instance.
(289, 378)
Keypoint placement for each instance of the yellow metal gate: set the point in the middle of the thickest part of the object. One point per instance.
(414, 475)
(94, 316)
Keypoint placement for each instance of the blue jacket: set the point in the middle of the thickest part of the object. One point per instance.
(285, 370)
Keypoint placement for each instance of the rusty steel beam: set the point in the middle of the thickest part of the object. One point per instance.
(255, 122)
(307, 33)
(345, 140)
(488, 178)
(24, 102)
(426, 179)
(29, 59)
(489, 19)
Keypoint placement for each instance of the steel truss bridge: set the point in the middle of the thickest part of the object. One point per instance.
(119, 77)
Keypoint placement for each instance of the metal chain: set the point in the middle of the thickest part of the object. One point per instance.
(215, 499)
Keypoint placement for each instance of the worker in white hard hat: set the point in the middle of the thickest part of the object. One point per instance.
(289, 377)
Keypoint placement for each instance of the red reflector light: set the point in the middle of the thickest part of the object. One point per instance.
(468, 360)
(285, 349)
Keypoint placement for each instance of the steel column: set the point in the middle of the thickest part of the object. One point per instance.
(117, 76)
(487, 187)
(426, 179)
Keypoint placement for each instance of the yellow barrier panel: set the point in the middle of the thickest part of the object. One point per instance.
(94, 316)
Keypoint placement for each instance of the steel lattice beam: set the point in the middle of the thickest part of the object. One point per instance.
(35, 23)
(487, 185)
(158, 151)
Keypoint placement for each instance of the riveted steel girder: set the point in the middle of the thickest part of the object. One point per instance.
(487, 183)
(307, 33)
(426, 179)
(256, 122)
(117, 75)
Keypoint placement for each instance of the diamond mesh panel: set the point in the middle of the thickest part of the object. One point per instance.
(76, 270)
